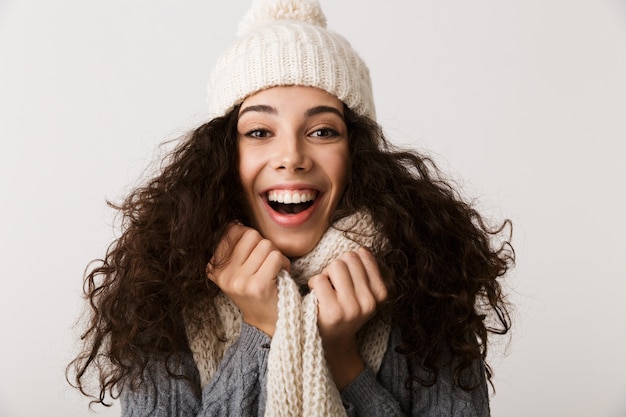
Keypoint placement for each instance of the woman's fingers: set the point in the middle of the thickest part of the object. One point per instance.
(356, 277)
(348, 292)
(242, 248)
(224, 251)
(375, 279)
(244, 267)
(328, 306)
(340, 275)
(361, 283)
(273, 261)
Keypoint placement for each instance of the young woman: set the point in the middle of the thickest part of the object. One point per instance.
(288, 261)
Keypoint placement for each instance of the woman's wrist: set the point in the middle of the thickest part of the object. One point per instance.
(345, 366)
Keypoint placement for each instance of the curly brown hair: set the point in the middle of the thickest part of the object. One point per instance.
(441, 265)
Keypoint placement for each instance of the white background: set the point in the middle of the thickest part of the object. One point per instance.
(522, 102)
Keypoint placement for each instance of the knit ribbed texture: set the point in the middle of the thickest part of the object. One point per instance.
(298, 380)
(285, 42)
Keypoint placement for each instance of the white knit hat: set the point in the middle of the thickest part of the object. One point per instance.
(285, 42)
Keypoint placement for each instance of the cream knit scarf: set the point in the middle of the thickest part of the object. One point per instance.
(298, 380)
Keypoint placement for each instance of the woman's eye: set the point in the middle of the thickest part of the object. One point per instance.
(258, 133)
(325, 133)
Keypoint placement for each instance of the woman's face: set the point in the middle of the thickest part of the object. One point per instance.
(293, 163)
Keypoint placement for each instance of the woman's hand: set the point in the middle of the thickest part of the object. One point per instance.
(244, 267)
(348, 292)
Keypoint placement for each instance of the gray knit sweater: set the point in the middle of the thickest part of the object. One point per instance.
(238, 388)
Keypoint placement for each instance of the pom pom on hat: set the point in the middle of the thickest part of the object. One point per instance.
(285, 42)
(263, 12)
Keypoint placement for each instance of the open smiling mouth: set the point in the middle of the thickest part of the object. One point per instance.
(291, 202)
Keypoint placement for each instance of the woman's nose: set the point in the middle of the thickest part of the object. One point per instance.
(292, 154)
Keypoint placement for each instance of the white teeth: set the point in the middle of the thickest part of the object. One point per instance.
(291, 197)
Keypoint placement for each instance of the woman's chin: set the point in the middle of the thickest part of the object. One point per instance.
(294, 242)
(293, 246)
(295, 251)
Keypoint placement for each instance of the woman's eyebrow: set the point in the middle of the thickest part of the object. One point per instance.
(263, 108)
(323, 109)
(260, 108)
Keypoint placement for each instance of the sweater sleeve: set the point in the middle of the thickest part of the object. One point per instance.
(236, 389)
(365, 396)
(386, 394)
